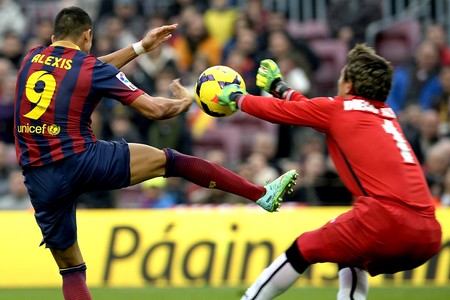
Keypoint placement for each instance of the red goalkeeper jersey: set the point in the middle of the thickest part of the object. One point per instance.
(365, 141)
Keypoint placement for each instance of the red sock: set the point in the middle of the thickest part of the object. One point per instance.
(74, 283)
(210, 175)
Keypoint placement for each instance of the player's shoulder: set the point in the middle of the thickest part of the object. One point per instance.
(36, 49)
(101, 64)
(327, 100)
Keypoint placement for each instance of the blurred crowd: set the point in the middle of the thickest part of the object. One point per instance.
(237, 34)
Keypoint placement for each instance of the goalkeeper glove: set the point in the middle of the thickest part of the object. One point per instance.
(269, 78)
(230, 94)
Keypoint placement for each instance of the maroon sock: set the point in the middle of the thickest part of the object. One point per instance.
(209, 175)
(74, 283)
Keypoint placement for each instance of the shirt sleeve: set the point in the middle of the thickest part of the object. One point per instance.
(112, 83)
(299, 111)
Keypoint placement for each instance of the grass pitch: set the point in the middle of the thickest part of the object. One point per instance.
(385, 293)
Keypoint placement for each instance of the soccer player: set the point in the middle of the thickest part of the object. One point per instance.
(58, 87)
(392, 225)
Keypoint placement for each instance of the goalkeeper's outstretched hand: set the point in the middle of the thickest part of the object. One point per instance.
(269, 78)
(229, 95)
(268, 72)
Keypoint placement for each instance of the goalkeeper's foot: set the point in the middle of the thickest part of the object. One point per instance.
(276, 189)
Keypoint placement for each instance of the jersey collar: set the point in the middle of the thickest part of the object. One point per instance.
(65, 44)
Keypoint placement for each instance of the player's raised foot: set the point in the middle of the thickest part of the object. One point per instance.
(276, 189)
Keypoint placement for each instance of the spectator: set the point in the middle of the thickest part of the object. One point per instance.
(436, 33)
(313, 168)
(129, 12)
(17, 197)
(348, 19)
(265, 143)
(298, 72)
(261, 167)
(410, 120)
(12, 48)
(176, 8)
(7, 88)
(282, 47)
(122, 127)
(444, 199)
(114, 28)
(195, 39)
(442, 102)
(12, 19)
(171, 132)
(97, 199)
(296, 75)
(259, 16)
(437, 162)
(429, 129)
(220, 18)
(42, 31)
(418, 80)
(330, 189)
(176, 188)
(278, 21)
(150, 66)
(154, 194)
(4, 169)
(103, 44)
(241, 52)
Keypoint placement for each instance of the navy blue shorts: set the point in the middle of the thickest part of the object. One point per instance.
(54, 188)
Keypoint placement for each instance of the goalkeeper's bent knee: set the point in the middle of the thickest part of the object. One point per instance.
(295, 257)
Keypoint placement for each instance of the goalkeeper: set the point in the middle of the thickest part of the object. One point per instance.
(392, 225)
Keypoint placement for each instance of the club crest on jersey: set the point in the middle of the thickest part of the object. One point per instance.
(121, 76)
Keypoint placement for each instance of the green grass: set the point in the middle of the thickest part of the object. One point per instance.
(394, 293)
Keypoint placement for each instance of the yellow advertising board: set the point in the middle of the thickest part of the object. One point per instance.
(182, 247)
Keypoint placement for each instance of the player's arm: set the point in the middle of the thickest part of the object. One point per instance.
(160, 108)
(153, 39)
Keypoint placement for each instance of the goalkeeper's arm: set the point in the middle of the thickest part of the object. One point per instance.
(269, 79)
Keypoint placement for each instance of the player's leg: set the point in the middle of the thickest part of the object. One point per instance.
(73, 271)
(353, 283)
(149, 162)
(53, 197)
(278, 276)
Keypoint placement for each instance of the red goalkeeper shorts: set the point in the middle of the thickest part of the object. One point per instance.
(378, 236)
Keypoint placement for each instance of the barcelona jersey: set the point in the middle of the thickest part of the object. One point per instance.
(58, 88)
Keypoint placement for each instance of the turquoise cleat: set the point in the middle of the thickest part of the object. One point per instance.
(276, 189)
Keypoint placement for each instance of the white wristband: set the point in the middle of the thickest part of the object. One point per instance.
(138, 48)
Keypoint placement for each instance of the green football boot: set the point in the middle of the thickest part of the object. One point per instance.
(276, 189)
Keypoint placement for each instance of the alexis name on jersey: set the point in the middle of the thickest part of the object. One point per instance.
(52, 61)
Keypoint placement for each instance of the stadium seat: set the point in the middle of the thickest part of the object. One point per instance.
(129, 197)
(247, 127)
(397, 42)
(333, 56)
(219, 137)
(311, 30)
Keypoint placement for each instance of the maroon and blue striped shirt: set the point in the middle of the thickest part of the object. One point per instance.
(58, 88)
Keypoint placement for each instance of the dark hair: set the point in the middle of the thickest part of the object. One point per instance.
(370, 73)
(71, 22)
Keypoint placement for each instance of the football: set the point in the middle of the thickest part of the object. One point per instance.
(209, 84)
